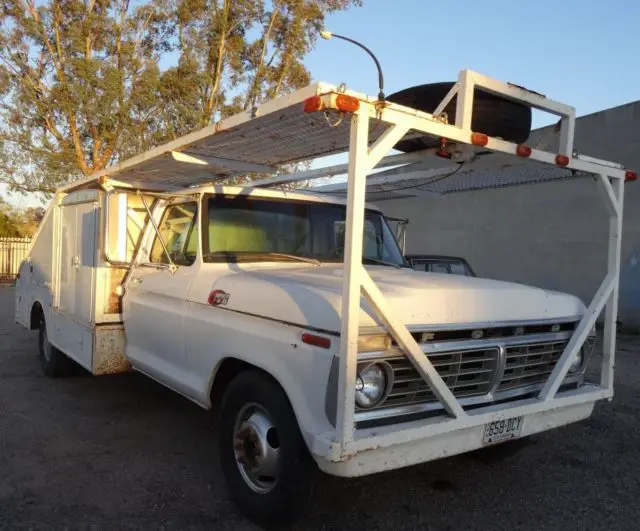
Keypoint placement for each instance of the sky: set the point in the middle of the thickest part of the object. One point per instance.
(584, 53)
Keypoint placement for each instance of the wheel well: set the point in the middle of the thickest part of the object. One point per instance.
(230, 368)
(37, 315)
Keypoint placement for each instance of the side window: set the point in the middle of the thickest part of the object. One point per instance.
(458, 268)
(371, 245)
(419, 265)
(440, 267)
(179, 231)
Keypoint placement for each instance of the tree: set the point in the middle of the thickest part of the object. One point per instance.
(8, 223)
(29, 220)
(16, 223)
(84, 84)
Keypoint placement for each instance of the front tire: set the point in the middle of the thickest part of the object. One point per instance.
(268, 469)
(55, 364)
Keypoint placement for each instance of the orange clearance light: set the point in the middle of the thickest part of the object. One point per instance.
(523, 150)
(479, 139)
(313, 104)
(316, 341)
(562, 160)
(630, 176)
(347, 103)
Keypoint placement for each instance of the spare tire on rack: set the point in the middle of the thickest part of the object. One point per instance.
(492, 115)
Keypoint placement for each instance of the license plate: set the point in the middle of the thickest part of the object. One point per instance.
(502, 430)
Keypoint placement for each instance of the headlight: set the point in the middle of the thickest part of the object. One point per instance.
(372, 382)
(577, 362)
(374, 343)
(583, 354)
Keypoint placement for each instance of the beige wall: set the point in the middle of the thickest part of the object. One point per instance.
(549, 235)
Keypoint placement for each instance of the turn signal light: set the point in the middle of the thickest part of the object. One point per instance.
(313, 104)
(316, 341)
(347, 103)
(523, 150)
(562, 160)
(479, 139)
(630, 176)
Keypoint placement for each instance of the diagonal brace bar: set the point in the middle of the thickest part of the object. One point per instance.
(578, 338)
(384, 143)
(606, 189)
(409, 346)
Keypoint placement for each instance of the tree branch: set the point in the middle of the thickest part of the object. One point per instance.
(252, 93)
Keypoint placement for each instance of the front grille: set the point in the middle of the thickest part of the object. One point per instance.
(466, 373)
(530, 364)
(492, 332)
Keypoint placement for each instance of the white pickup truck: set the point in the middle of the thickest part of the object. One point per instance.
(234, 297)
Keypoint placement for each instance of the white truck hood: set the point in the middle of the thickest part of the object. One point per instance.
(311, 296)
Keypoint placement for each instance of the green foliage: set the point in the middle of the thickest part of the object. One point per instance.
(82, 83)
(16, 223)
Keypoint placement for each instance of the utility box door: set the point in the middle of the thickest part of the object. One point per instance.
(78, 260)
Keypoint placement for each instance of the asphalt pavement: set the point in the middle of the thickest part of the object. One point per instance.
(122, 452)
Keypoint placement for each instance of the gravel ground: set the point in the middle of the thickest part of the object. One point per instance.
(122, 452)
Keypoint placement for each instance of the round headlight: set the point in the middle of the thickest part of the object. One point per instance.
(576, 365)
(371, 385)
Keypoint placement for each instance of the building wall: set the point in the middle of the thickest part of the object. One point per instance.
(549, 235)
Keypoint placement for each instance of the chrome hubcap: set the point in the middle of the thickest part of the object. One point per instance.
(257, 448)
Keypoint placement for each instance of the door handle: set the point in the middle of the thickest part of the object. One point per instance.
(136, 280)
(75, 261)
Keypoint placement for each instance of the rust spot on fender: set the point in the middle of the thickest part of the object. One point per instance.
(108, 351)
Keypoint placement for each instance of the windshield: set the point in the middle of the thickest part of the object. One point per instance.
(247, 229)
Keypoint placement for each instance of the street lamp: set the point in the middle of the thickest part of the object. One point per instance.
(328, 35)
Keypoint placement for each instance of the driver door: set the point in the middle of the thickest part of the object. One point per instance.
(155, 303)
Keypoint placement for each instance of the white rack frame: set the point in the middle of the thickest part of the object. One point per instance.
(362, 159)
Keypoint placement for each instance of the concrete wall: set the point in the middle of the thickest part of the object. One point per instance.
(548, 235)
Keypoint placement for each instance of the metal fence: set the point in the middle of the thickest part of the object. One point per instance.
(12, 252)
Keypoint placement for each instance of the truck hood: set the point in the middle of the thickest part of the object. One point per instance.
(311, 296)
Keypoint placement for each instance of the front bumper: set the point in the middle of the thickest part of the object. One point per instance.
(379, 449)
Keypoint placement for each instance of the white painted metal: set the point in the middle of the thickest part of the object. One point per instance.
(359, 164)
(613, 266)
(464, 102)
(598, 161)
(608, 195)
(418, 447)
(442, 105)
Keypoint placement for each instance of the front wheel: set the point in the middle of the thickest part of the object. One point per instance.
(268, 469)
(54, 363)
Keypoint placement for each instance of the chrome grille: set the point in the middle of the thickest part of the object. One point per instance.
(530, 364)
(466, 373)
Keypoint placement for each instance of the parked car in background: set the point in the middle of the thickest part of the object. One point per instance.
(453, 265)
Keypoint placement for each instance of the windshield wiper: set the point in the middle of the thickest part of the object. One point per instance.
(380, 262)
(234, 254)
(309, 260)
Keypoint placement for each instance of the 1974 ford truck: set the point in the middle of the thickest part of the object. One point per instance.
(295, 314)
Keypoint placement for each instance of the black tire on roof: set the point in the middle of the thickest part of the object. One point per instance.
(493, 115)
